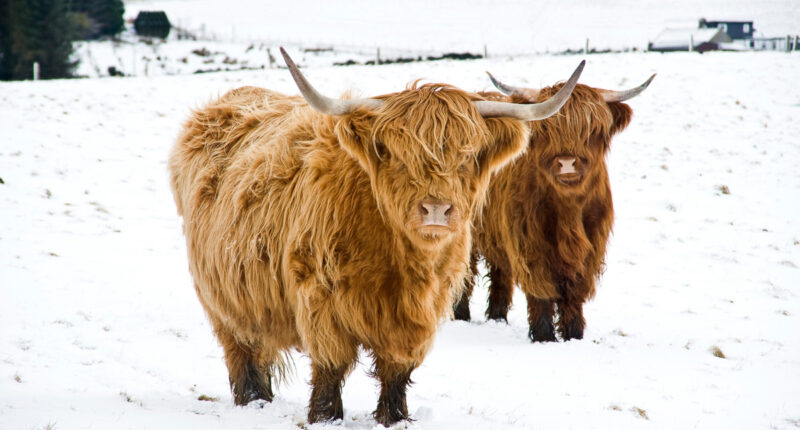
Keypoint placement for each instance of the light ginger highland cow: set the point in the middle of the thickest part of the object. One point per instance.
(327, 225)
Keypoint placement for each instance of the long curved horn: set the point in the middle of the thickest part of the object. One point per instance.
(525, 93)
(621, 96)
(505, 89)
(321, 103)
(531, 112)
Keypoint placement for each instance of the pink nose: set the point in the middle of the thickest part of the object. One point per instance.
(435, 212)
(566, 165)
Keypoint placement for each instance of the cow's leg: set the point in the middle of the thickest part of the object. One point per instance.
(333, 355)
(326, 392)
(501, 291)
(333, 351)
(395, 379)
(570, 310)
(540, 319)
(570, 320)
(340, 354)
(461, 307)
(249, 373)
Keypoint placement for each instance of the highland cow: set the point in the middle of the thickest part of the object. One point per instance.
(327, 225)
(548, 216)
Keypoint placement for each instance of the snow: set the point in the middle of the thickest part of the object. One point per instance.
(505, 26)
(244, 34)
(101, 327)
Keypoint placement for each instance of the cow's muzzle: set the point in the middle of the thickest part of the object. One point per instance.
(435, 212)
(435, 217)
(568, 169)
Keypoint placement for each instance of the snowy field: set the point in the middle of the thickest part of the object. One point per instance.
(243, 34)
(695, 324)
(504, 26)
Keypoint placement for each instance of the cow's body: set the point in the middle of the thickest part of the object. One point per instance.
(303, 230)
(549, 215)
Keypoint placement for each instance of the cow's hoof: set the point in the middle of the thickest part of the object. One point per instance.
(497, 312)
(388, 418)
(573, 330)
(251, 386)
(326, 413)
(542, 332)
(461, 311)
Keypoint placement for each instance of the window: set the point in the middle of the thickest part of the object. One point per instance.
(746, 28)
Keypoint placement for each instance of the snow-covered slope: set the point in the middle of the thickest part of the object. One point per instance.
(245, 34)
(101, 328)
(504, 26)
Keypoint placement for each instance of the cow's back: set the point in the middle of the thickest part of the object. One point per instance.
(213, 137)
(228, 155)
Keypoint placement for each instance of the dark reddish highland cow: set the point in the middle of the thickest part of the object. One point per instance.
(330, 225)
(548, 216)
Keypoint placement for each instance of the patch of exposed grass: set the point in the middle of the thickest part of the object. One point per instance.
(717, 352)
(205, 398)
(620, 333)
(127, 397)
(641, 413)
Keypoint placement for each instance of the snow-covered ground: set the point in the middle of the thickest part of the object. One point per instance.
(100, 327)
(504, 26)
(245, 34)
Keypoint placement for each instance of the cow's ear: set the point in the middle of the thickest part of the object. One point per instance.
(354, 136)
(621, 114)
(510, 140)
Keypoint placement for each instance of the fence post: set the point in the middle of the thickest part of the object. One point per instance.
(586, 47)
(788, 42)
(485, 51)
(691, 42)
(378, 56)
(796, 42)
(35, 70)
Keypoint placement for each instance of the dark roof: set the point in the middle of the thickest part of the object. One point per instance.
(152, 24)
(725, 21)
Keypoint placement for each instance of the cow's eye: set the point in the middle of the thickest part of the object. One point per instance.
(466, 164)
(381, 151)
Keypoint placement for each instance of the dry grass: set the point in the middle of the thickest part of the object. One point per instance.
(717, 352)
(619, 332)
(128, 398)
(641, 413)
(205, 398)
